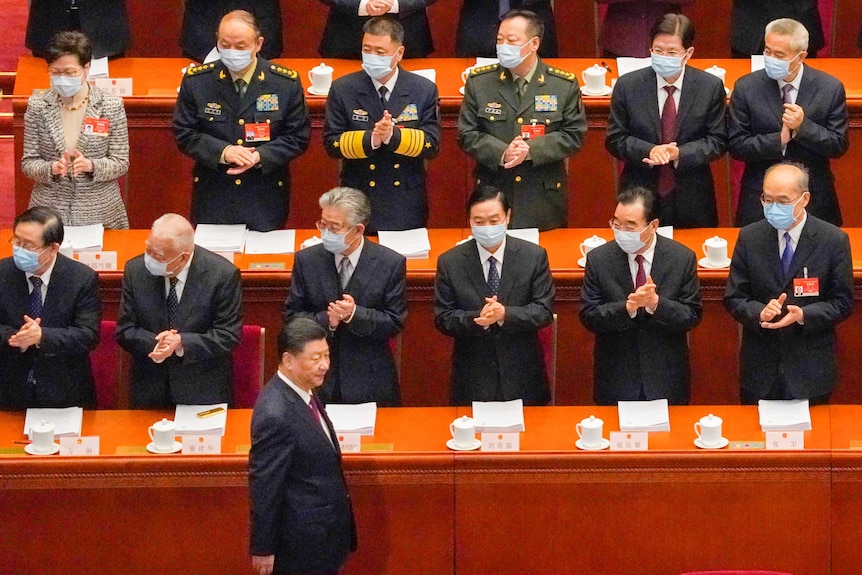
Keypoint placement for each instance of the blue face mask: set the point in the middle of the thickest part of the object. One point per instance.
(776, 68)
(25, 260)
(780, 216)
(236, 60)
(489, 236)
(377, 66)
(629, 242)
(66, 86)
(510, 56)
(666, 66)
(334, 243)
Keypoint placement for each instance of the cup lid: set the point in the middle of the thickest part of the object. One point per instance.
(710, 420)
(164, 424)
(591, 422)
(595, 70)
(716, 241)
(595, 241)
(463, 421)
(322, 67)
(43, 427)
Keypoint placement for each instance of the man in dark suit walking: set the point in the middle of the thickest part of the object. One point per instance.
(180, 317)
(301, 515)
(749, 18)
(790, 284)
(493, 294)
(356, 290)
(479, 20)
(667, 124)
(788, 112)
(382, 124)
(641, 296)
(50, 312)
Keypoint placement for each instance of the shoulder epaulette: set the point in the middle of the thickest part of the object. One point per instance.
(203, 68)
(282, 71)
(570, 76)
(484, 69)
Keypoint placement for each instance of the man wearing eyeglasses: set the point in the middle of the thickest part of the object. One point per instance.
(356, 290)
(790, 284)
(788, 112)
(641, 296)
(50, 313)
(667, 124)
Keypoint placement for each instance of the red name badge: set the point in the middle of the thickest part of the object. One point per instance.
(806, 287)
(257, 132)
(97, 126)
(532, 131)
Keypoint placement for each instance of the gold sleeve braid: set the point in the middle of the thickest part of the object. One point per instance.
(412, 142)
(350, 144)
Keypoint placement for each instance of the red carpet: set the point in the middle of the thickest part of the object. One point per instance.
(7, 184)
(12, 27)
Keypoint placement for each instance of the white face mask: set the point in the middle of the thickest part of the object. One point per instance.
(510, 56)
(67, 86)
(157, 268)
(630, 242)
(236, 60)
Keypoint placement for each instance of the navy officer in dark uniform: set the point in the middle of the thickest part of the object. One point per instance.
(383, 123)
(520, 120)
(242, 119)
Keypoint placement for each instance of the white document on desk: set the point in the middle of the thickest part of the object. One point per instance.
(98, 68)
(427, 73)
(627, 64)
(412, 244)
(274, 242)
(527, 234)
(499, 416)
(784, 415)
(359, 418)
(67, 421)
(85, 237)
(188, 423)
(644, 415)
(221, 238)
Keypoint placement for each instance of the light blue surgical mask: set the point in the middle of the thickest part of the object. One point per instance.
(157, 268)
(780, 216)
(377, 66)
(776, 68)
(334, 243)
(25, 260)
(629, 242)
(510, 56)
(489, 236)
(666, 66)
(67, 86)
(236, 60)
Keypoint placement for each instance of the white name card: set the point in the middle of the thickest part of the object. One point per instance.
(116, 86)
(79, 445)
(501, 442)
(98, 261)
(349, 442)
(785, 440)
(629, 441)
(201, 444)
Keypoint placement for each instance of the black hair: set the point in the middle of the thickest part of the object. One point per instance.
(296, 333)
(52, 232)
(70, 43)
(629, 196)
(485, 193)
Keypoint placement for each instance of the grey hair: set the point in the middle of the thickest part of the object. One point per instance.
(790, 27)
(351, 201)
(801, 176)
(177, 229)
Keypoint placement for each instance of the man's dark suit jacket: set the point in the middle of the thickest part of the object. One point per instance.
(201, 19)
(649, 352)
(300, 507)
(634, 127)
(749, 19)
(342, 35)
(479, 20)
(362, 367)
(105, 22)
(755, 138)
(799, 359)
(71, 316)
(503, 362)
(209, 321)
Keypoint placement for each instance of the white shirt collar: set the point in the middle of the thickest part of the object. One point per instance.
(353, 257)
(678, 83)
(184, 273)
(648, 254)
(498, 255)
(306, 396)
(390, 85)
(795, 232)
(796, 81)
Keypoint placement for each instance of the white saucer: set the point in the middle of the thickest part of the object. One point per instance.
(604, 445)
(704, 263)
(723, 443)
(461, 90)
(151, 447)
(29, 448)
(606, 91)
(582, 262)
(314, 92)
(451, 445)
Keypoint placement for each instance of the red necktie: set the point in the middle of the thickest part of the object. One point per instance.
(640, 277)
(666, 175)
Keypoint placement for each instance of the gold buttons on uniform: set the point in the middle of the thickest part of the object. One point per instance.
(241, 122)
(491, 118)
(396, 166)
(397, 183)
(517, 178)
(268, 121)
(547, 120)
(559, 184)
(280, 184)
(237, 181)
(239, 142)
(371, 184)
(211, 118)
(197, 179)
(520, 120)
(372, 167)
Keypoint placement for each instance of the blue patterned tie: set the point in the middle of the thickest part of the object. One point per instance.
(787, 255)
(493, 277)
(173, 303)
(36, 297)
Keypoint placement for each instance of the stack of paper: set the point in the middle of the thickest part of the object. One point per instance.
(644, 415)
(412, 244)
(221, 238)
(428, 73)
(67, 421)
(526, 234)
(486, 61)
(85, 237)
(353, 418)
(194, 419)
(499, 416)
(781, 415)
(274, 242)
(626, 65)
(757, 62)
(98, 68)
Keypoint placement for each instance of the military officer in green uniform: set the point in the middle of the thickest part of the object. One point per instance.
(241, 119)
(520, 120)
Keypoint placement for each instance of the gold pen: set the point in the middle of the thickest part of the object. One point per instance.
(210, 412)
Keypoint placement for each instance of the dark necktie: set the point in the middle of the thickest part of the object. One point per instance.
(240, 87)
(504, 7)
(785, 94)
(344, 272)
(520, 83)
(787, 255)
(173, 303)
(493, 277)
(640, 277)
(666, 176)
(315, 413)
(36, 297)
(383, 91)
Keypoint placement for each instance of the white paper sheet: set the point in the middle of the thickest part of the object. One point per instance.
(784, 415)
(429, 73)
(85, 237)
(644, 415)
(98, 68)
(412, 244)
(626, 65)
(359, 418)
(188, 423)
(499, 416)
(526, 234)
(67, 421)
(274, 242)
(221, 238)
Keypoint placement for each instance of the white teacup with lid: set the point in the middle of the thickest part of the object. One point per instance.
(321, 78)
(708, 430)
(591, 243)
(715, 250)
(42, 437)
(594, 79)
(162, 433)
(590, 432)
(717, 71)
(463, 432)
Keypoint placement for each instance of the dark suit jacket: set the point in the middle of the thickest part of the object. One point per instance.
(634, 127)
(750, 17)
(755, 138)
(646, 353)
(798, 358)
(342, 35)
(393, 175)
(71, 316)
(362, 367)
(626, 26)
(202, 17)
(479, 20)
(209, 321)
(300, 507)
(503, 362)
(105, 22)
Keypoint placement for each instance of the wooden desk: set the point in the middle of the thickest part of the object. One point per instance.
(547, 509)
(153, 150)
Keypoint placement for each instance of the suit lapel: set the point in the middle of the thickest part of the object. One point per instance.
(806, 89)
(58, 277)
(364, 269)
(473, 269)
(622, 270)
(659, 270)
(687, 97)
(400, 97)
(226, 88)
(254, 90)
(774, 256)
(304, 414)
(506, 89)
(193, 291)
(650, 89)
(330, 287)
(775, 101)
(507, 278)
